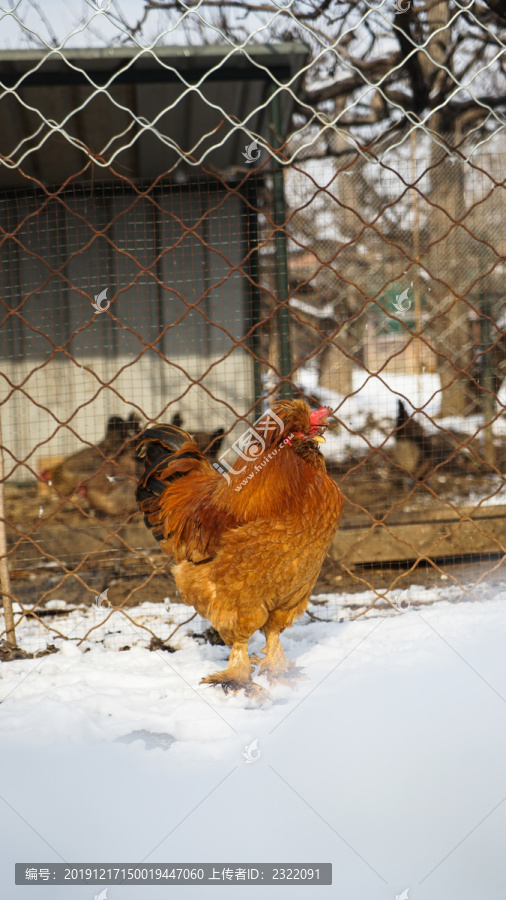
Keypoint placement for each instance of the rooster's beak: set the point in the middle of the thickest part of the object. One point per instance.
(319, 438)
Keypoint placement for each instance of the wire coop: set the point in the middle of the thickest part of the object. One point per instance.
(189, 232)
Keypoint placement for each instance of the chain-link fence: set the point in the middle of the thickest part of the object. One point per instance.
(201, 212)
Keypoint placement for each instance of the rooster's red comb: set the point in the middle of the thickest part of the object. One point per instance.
(319, 416)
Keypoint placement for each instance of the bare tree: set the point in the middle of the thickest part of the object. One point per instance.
(374, 74)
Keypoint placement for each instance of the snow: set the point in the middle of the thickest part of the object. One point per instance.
(378, 393)
(373, 395)
(320, 312)
(388, 761)
(374, 398)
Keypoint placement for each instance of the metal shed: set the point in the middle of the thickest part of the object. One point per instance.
(95, 195)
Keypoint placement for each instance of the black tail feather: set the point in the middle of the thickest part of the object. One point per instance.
(157, 446)
(168, 436)
(402, 416)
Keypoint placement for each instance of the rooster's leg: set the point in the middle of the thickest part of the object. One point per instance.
(237, 675)
(275, 665)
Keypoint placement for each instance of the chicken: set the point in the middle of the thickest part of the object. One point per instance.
(207, 441)
(112, 490)
(418, 452)
(68, 474)
(248, 547)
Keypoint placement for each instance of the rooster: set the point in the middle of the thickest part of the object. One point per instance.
(248, 548)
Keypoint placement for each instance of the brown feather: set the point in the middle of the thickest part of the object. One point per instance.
(79, 467)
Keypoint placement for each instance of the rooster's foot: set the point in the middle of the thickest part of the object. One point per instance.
(292, 675)
(282, 671)
(256, 660)
(256, 692)
(229, 683)
(274, 664)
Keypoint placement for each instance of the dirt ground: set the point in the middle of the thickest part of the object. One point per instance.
(61, 551)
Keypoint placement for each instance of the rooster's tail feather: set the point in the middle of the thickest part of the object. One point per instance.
(169, 453)
(156, 441)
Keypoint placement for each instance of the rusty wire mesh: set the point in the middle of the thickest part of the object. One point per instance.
(364, 275)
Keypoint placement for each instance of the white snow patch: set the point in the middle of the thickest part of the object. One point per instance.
(388, 761)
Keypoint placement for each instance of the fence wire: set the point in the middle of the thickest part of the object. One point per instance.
(201, 212)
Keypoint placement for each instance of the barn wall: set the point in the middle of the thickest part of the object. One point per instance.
(63, 393)
(179, 310)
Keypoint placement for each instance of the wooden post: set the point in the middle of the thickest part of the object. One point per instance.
(5, 584)
(416, 275)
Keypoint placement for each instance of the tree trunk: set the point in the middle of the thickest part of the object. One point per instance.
(446, 261)
(336, 370)
(449, 243)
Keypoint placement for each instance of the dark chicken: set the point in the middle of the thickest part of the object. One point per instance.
(208, 441)
(419, 452)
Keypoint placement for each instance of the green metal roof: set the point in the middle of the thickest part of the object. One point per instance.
(69, 106)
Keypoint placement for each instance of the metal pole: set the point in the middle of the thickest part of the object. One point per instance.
(5, 583)
(254, 287)
(486, 363)
(279, 215)
(487, 379)
(160, 298)
(416, 273)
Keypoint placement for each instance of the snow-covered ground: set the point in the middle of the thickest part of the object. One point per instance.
(375, 396)
(388, 761)
(367, 417)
